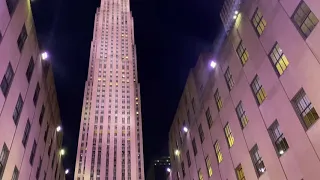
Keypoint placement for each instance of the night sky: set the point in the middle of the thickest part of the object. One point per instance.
(169, 35)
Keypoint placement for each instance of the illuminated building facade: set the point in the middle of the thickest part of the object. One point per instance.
(29, 143)
(110, 138)
(253, 113)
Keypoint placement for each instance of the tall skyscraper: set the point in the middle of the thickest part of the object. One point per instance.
(110, 136)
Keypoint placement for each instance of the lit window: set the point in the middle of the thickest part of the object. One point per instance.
(209, 118)
(305, 109)
(258, 22)
(208, 164)
(258, 90)
(240, 173)
(200, 176)
(217, 97)
(278, 138)
(229, 136)
(242, 115)
(279, 60)
(229, 79)
(218, 152)
(257, 161)
(304, 19)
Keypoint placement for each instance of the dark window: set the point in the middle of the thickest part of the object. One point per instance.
(304, 19)
(30, 69)
(229, 79)
(3, 158)
(46, 133)
(17, 110)
(258, 90)
(201, 134)
(11, 4)
(22, 38)
(218, 100)
(242, 53)
(26, 133)
(278, 138)
(279, 60)
(194, 146)
(39, 169)
(240, 173)
(188, 116)
(33, 152)
(55, 173)
(258, 22)
(15, 174)
(304, 108)
(7, 80)
(36, 94)
(0, 37)
(188, 158)
(257, 161)
(209, 118)
(54, 156)
(183, 169)
(242, 115)
(50, 146)
(193, 106)
(42, 114)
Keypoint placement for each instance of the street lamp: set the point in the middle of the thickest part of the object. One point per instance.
(185, 129)
(66, 171)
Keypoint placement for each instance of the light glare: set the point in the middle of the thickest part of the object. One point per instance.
(62, 152)
(281, 152)
(66, 171)
(185, 129)
(177, 152)
(44, 56)
(234, 17)
(59, 128)
(168, 170)
(236, 12)
(213, 64)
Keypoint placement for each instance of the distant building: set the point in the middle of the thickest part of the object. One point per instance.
(251, 110)
(29, 143)
(159, 169)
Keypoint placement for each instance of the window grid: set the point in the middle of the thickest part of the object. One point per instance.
(218, 152)
(17, 110)
(242, 53)
(229, 136)
(209, 118)
(257, 161)
(304, 19)
(7, 80)
(242, 115)
(194, 146)
(258, 90)
(15, 175)
(30, 69)
(188, 158)
(200, 176)
(3, 158)
(305, 109)
(217, 97)
(229, 79)
(278, 138)
(209, 168)
(22, 38)
(201, 134)
(258, 22)
(279, 60)
(240, 173)
(26, 133)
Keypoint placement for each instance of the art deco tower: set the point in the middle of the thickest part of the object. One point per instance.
(110, 136)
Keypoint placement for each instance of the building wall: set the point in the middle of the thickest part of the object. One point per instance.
(301, 159)
(12, 134)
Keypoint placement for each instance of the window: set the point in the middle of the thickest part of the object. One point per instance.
(22, 37)
(46, 133)
(201, 134)
(278, 138)
(305, 109)
(41, 115)
(7, 80)
(193, 106)
(240, 173)
(218, 152)
(242, 53)
(26, 133)
(208, 164)
(242, 115)
(200, 176)
(183, 169)
(36, 94)
(229, 136)
(279, 60)
(194, 146)
(188, 158)
(304, 19)
(17, 110)
(257, 161)
(229, 79)
(258, 22)
(3, 158)
(258, 90)
(39, 169)
(30, 69)
(188, 116)
(217, 97)
(15, 174)
(33, 152)
(11, 4)
(209, 118)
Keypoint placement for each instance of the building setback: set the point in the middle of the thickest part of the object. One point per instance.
(110, 137)
(29, 116)
(159, 169)
(251, 108)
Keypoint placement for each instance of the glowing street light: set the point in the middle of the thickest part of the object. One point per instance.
(236, 12)
(44, 55)
(185, 129)
(235, 17)
(66, 171)
(177, 152)
(213, 64)
(59, 128)
(168, 170)
(62, 152)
